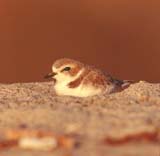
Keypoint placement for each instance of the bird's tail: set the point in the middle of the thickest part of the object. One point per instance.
(127, 83)
(120, 85)
(123, 84)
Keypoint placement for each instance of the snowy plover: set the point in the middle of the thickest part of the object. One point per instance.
(74, 78)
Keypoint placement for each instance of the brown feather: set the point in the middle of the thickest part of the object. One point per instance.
(78, 81)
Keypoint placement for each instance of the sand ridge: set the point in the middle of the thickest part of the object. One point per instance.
(94, 120)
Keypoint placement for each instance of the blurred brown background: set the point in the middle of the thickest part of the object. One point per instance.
(121, 37)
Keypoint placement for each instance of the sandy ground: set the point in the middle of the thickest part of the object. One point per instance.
(121, 124)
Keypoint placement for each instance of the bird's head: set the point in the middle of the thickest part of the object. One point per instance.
(65, 70)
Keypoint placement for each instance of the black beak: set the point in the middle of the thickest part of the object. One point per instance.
(50, 75)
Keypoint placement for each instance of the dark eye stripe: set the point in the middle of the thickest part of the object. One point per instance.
(66, 69)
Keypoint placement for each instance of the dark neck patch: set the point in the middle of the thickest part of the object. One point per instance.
(78, 81)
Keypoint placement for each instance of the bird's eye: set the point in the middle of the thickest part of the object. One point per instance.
(66, 69)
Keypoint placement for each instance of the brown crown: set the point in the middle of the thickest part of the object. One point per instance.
(76, 65)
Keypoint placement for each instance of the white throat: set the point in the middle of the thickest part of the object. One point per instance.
(63, 80)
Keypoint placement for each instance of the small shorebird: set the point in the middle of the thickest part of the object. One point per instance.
(74, 78)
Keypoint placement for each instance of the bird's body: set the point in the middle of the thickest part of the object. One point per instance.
(74, 78)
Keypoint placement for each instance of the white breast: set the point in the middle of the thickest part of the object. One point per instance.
(61, 87)
(81, 91)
